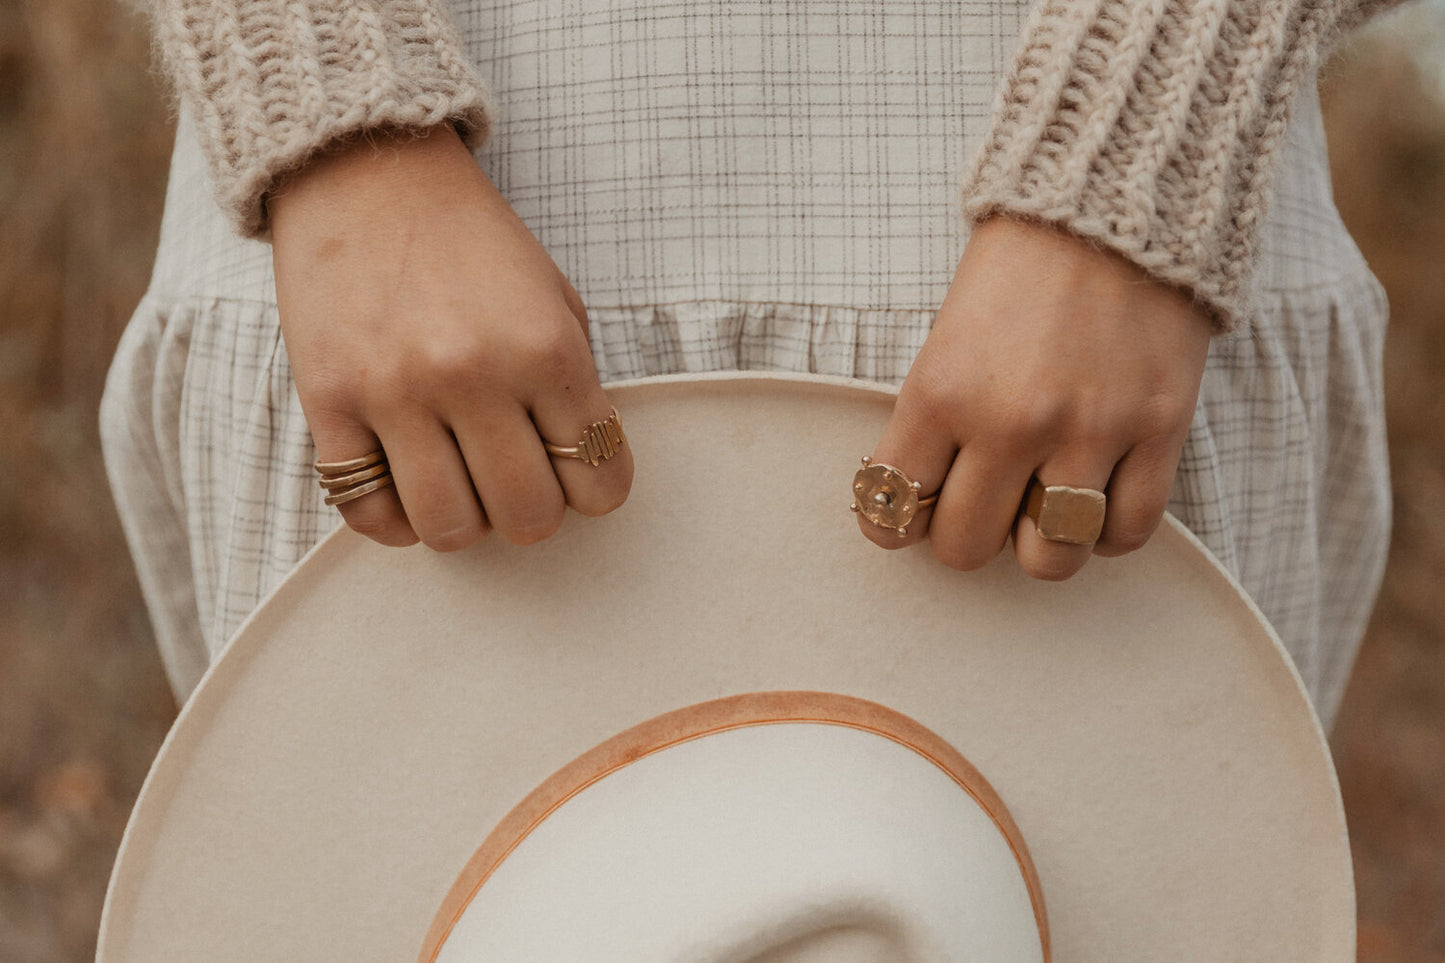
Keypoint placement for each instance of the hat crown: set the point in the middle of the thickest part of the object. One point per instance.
(767, 826)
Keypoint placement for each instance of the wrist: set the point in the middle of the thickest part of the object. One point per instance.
(1054, 255)
(382, 166)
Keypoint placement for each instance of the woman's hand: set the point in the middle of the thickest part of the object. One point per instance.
(1049, 357)
(421, 316)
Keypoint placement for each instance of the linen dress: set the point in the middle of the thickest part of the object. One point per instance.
(753, 185)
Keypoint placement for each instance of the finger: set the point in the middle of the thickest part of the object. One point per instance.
(433, 483)
(560, 416)
(1138, 495)
(1051, 560)
(916, 444)
(510, 470)
(977, 508)
(378, 515)
(574, 303)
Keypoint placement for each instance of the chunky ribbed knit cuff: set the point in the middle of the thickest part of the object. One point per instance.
(1152, 127)
(270, 82)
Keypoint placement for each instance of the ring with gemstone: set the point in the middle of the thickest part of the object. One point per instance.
(887, 497)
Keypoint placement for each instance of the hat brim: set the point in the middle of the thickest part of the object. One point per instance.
(384, 709)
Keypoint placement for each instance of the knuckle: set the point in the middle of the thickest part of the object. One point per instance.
(531, 533)
(333, 401)
(1129, 540)
(1163, 414)
(574, 302)
(1050, 571)
(606, 496)
(329, 397)
(446, 517)
(1026, 425)
(385, 384)
(1048, 566)
(1130, 534)
(449, 368)
(551, 352)
(530, 524)
(958, 555)
(366, 524)
(930, 395)
(378, 523)
(432, 506)
(447, 380)
(455, 538)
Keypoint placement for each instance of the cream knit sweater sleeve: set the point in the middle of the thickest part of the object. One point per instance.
(1153, 126)
(270, 82)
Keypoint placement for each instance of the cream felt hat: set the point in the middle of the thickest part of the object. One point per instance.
(718, 725)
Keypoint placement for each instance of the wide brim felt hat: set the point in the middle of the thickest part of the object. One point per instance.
(659, 723)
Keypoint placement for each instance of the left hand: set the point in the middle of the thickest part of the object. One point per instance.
(423, 317)
(1054, 358)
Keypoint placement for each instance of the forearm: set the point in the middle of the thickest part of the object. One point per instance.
(1153, 127)
(272, 82)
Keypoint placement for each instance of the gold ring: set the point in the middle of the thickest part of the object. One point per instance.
(344, 481)
(600, 441)
(356, 491)
(887, 497)
(333, 482)
(351, 464)
(1074, 516)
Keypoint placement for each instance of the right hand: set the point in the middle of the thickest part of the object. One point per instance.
(421, 316)
(1050, 358)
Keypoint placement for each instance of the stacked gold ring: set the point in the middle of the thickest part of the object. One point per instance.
(344, 481)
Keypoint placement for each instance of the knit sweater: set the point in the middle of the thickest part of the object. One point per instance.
(271, 82)
(1151, 127)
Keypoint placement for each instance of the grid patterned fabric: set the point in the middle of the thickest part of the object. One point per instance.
(681, 151)
(758, 184)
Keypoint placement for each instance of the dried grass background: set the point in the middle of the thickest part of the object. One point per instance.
(84, 139)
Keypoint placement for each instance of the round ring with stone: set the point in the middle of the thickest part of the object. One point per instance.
(887, 497)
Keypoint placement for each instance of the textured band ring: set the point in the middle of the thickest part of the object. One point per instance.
(1074, 516)
(600, 441)
(345, 481)
(328, 468)
(365, 488)
(334, 482)
(887, 497)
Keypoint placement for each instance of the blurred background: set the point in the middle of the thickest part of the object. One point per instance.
(85, 134)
